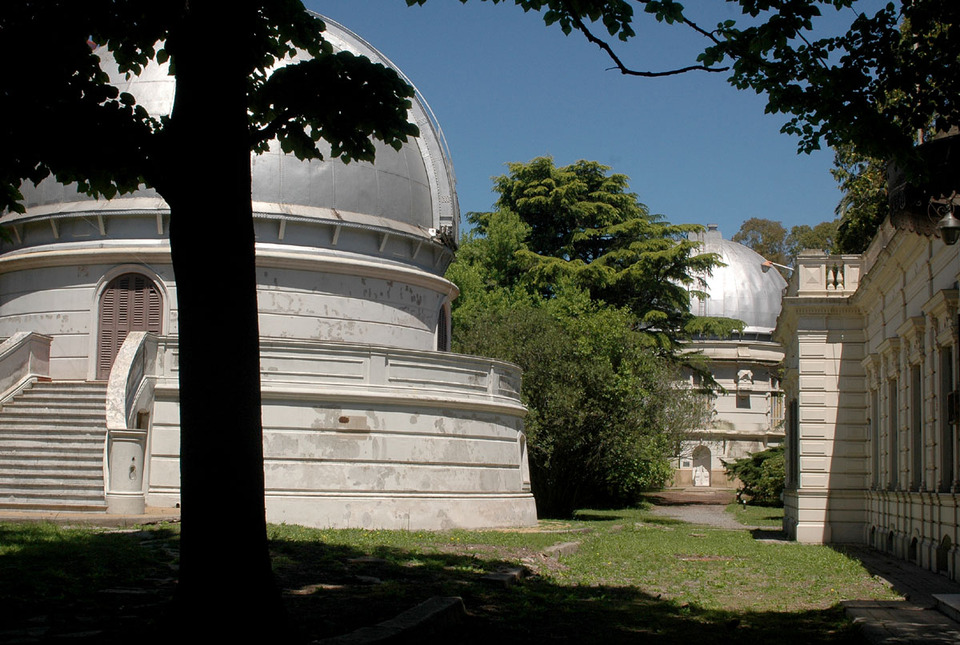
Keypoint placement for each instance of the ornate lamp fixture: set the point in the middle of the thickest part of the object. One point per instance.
(949, 226)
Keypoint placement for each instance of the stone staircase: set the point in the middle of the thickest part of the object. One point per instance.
(52, 438)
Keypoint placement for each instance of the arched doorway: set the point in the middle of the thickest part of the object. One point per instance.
(943, 555)
(131, 302)
(701, 466)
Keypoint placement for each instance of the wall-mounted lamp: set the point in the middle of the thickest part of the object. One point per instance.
(949, 227)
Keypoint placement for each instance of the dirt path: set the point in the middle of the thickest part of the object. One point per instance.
(706, 514)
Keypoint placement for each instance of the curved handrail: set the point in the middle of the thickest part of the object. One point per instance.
(24, 357)
(129, 390)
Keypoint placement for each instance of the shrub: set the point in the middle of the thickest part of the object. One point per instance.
(762, 476)
(604, 411)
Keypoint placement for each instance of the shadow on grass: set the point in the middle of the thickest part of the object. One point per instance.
(596, 517)
(82, 582)
(111, 587)
(768, 534)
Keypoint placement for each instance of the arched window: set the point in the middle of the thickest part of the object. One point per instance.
(131, 302)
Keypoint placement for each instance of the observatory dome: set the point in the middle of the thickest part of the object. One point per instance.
(743, 289)
(369, 421)
(408, 191)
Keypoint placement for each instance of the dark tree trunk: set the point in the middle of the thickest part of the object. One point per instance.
(226, 586)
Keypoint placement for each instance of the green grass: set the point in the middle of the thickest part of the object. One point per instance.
(765, 516)
(636, 576)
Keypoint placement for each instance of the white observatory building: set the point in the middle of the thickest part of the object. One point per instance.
(369, 421)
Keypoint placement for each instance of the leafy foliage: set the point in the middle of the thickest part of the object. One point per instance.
(872, 87)
(822, 236)
(762, 475)
(766, 237)
(585, 228)
(864, 205)
(605, 413)
(771, 240)
(132, 146)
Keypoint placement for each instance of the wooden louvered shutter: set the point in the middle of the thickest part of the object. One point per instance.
(131, 302)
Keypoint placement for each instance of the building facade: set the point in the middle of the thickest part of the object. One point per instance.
(747, 409)
(369, 421)
(871, 381)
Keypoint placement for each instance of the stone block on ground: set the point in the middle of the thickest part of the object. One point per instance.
(563, 548)
(422, 623)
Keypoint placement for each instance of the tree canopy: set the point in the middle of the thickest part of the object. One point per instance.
(863, 206)
(766, 237)
(578, 223)
(62, 83)
(575, 281)
(770, 239)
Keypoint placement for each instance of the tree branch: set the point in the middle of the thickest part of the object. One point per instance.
(602, 44)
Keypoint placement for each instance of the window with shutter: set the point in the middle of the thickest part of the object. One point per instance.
(131, 302)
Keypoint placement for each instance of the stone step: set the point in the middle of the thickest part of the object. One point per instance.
(42, 503)
(66, 385)
(50, 461)
(70, 487)
(52, 438)
(65, 402)
(50, 477)
(52, 467)
(22, 494)
(53, 415)
(41, 429)
(43, 446)
(56, 389)
(86, 393)
(948, 604)
(52, 434)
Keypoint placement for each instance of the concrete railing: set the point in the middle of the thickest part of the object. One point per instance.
(324, 370)
(129, 399)
(344, 370)
(819, 275)
(24, 357)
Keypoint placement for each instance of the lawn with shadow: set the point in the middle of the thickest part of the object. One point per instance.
(633, 576)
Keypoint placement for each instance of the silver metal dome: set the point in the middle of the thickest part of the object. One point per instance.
(743, 289)
(410, 190)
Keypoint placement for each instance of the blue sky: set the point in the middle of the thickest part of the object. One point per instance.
(505, 88)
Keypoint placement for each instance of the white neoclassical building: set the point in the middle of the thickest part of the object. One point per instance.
(747, 412)
(871, 383)
(368, 420)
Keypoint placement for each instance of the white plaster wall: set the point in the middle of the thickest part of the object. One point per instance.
(347, 308)
(374, 437)
(61, 301)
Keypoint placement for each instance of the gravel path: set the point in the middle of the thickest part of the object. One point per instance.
(705, 514)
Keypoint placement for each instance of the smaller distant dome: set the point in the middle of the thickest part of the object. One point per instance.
(742, 289)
